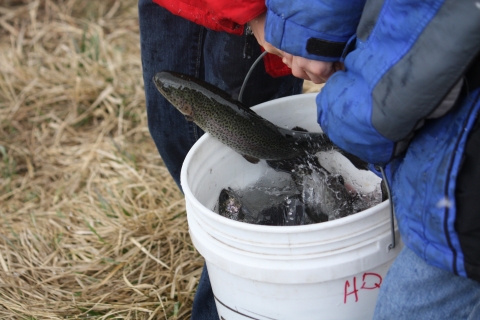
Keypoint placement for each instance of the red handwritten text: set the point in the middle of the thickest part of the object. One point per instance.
(370, 281)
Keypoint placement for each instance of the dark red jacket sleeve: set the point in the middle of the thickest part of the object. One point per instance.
(225, 15)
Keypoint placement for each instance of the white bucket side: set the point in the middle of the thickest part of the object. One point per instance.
(294, 272)
(282, 269)
(288, 242)
(349, 298)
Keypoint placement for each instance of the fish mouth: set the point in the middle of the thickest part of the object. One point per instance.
(171, 85)
(165, 82)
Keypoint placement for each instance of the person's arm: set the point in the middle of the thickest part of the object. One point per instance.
(409, 57)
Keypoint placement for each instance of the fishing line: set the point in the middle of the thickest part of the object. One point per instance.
(248, 75)
(392, 209)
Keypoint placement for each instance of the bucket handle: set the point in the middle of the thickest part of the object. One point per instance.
(240, 95)
(392, 208)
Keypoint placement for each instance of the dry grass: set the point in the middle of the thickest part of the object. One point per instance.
(309, 87)
(91, 224)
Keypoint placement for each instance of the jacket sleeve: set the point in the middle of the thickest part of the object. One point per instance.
(408, 59)
(314, 29)
(218, 15)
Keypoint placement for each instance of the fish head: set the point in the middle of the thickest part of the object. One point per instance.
(174, 88)
(230, 205)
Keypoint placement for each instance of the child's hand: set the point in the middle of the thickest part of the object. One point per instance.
(313, 70)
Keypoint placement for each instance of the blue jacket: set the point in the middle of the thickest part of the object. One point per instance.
(402, 101)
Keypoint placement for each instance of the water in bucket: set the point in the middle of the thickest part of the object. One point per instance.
(299, 197)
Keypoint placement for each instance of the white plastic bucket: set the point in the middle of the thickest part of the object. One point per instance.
(330, 270)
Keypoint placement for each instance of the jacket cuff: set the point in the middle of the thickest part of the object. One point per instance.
(301, 41)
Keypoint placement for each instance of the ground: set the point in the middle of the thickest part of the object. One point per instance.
(92, 225)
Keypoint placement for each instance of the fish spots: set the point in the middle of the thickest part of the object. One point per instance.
(232, 123)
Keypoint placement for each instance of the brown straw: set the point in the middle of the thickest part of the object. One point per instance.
(91, 223)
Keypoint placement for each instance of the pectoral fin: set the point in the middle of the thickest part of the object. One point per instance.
(188, 118)
(251, 159)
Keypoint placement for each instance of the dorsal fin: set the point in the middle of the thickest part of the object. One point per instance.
(299, 129)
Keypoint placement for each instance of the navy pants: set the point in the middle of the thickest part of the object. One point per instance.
(171, 43)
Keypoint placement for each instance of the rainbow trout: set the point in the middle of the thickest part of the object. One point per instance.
(237, 126)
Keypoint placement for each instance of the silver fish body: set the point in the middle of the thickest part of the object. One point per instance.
(235, 125)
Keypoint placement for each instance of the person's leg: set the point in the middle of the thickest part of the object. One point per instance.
(169, 42)
(204, 307)
(413, 289)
